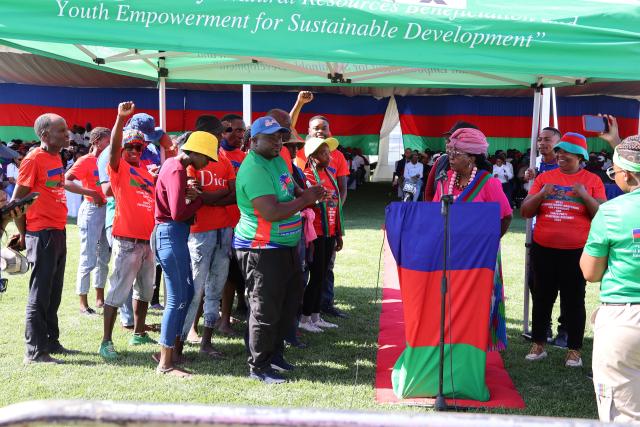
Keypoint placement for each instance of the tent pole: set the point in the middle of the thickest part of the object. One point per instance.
(554, 103)
(535, 130)
(246, 104)
(162, 102)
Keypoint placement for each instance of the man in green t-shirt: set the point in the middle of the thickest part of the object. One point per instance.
(266, 240)
(612, 257)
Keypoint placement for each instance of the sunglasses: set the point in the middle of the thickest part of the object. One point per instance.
(611, 173)
(133, 147)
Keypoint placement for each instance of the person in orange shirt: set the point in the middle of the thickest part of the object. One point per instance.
(231, 148)
(328, 227)
(42, 232)
(210, 242)
(319, 128)
(133, 189)
(94, 247)
(564, 201)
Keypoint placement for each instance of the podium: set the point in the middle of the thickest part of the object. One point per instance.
(415, 234)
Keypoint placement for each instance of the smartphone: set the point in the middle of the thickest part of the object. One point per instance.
(595, 124)
(26, 200)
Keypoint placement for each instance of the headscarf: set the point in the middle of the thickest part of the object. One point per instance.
(623, 163)
(469, 140)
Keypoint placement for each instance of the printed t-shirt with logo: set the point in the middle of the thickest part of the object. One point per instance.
(327, 213)
(236, 157)
(148, 157)
(563, 220)
(259, 177)
(213, 177)
(86, 170)
(615, 233)
(338, 165)
(134, 192)
(43, 173)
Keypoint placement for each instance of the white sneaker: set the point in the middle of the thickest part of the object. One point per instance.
(537, 352)
(573, 359)
(309, 327)
(321, 323)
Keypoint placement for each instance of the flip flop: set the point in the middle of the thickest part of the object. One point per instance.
(213, 354)
(181, 360)
(174, 372)
(194, 341)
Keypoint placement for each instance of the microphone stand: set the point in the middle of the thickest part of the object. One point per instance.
(446, 201)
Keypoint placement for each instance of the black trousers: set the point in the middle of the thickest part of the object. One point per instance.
(47, 254)
(561, 323)
(558, 270)
(323, 248)
(273, 279)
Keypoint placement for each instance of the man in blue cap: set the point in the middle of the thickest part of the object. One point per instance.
(266, 240)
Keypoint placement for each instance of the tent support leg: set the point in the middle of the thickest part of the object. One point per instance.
(246, 104)
(535, 130)
(162, 103)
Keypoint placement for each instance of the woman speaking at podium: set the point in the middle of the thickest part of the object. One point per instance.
(470, 180)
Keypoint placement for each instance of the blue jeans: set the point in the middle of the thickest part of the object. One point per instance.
(94, 248)
(172, 252)
(126, 311)
(210, 255)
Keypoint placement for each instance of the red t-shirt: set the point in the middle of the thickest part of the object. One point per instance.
(134, 191)
(286, 156)
(236, 157)
(86, 170)
(215, 176)
(563, 221)
(331, 206)
(43, 173)
(337, 166)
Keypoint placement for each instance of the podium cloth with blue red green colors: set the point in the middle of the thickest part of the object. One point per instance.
(415, 236)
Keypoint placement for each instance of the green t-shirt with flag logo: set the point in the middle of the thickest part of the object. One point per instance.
(615, 233)
(259, 177)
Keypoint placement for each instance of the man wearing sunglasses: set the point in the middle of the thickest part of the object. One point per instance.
(150, 158)
(134, 190)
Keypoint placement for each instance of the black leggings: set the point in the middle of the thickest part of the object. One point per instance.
(323, 248)
(558, 270)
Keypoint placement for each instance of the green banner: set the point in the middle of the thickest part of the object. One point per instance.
(443, 42)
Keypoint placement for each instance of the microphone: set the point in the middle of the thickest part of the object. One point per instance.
(442, 176)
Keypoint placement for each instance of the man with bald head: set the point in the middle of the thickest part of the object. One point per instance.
(42, 233)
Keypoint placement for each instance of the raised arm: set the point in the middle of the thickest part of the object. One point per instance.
(304, 97)
(125, 109)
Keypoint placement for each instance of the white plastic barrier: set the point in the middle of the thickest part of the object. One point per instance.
(105, 413)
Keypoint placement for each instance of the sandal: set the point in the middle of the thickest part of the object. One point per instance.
(213, 354)
(179, 361)
(173, 371)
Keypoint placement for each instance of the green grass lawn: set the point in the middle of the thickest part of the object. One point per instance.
(336, 371)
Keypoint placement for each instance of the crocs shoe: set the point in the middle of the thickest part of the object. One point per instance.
(107, 351)
(141, 339)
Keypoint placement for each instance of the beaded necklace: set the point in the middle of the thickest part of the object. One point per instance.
(455, 181)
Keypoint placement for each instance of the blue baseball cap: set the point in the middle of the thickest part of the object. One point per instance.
(266, 125)
(147, 125)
